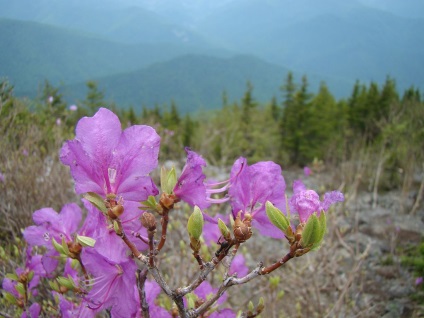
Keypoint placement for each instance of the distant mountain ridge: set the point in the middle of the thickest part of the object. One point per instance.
(70, 42)
(32, 52)
(191, 81)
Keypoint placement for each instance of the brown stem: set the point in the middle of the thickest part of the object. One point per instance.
(130, 244)
(207, 268)
(137, 235)
(84, 271)
(151, 249)
(141, 280)
(273, 267)
(164, 221)
(199, 259)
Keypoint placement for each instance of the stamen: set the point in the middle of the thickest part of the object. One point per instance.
(219, 190)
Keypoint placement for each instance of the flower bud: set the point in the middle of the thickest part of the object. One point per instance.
(148, 220)
(242, 229)
(115, 212)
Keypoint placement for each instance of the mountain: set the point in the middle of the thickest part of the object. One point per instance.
(345, 39)
(191, 81)
(113, 20)
(33, 52)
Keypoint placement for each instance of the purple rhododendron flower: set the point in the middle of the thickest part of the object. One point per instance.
(419, 281)
(106, 160)
(250, 188)
(2, 177)
(305, 202)
(153, 290)
(49, 225)
(205, 289)
(34, 311)
(73, 108)
(307, 171)
(190, 187)
(112, 285)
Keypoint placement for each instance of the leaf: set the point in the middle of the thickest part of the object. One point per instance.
(86, 241)
(312, 232)
(97, 201)
(150, 204)
(168, 180)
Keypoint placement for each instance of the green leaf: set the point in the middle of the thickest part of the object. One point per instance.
(322, 219)
(168, 180)
(65, 246)
(54, 285)
(58, 247)
(150, 204)
(195, 223)
(97, 201)
(66, 282)
(10, 298)
(12, 276)
(30, 276)
(86, 241)
(312, 232)
(277, 217)
(20, 288)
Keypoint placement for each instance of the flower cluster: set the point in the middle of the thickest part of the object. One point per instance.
(106, 257)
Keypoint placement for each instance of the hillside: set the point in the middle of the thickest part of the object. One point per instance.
(32, 52)
(192, 81)
(343, 39)
(113, 20)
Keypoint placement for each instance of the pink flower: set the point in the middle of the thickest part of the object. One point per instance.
(305, 202)
(307, 171)
(106, 160)
(73, 108)
(251, 187)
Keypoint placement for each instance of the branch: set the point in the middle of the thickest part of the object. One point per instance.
(141, 280)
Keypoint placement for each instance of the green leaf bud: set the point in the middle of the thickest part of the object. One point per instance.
(54, 285)
(312, 232)
(277, 217)
(250, 306)
(116, 228)
(86, 241)
(30, 276)
(97, 201)
(58, 247)
(168, 180)
(195, 223)
(65, 246)
(12, 276)
(224, 230)
(66, 282)
(261, 305)
(10, 298)
(20, 289)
